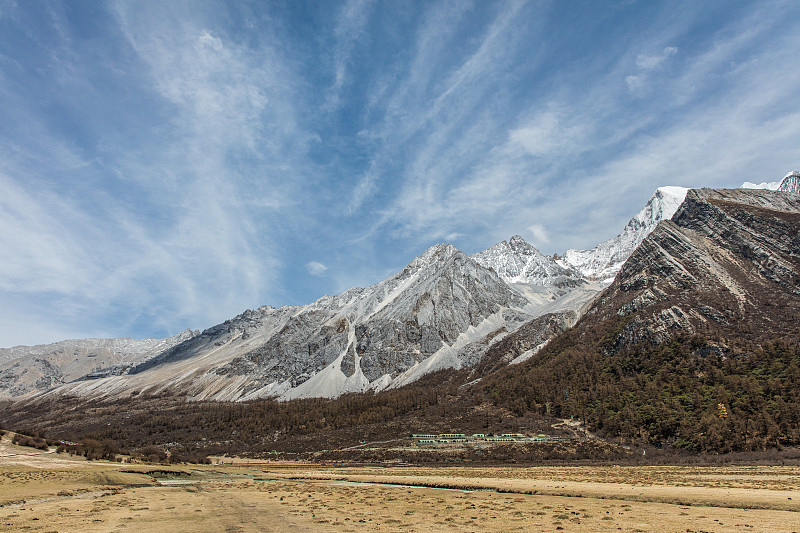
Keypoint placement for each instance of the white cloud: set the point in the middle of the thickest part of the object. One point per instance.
(315, 268)
(646, 62)
(646, 66)
(437, 129)
(551, 133)
(538, 138)
(365, 187)
(634, 83)
(540, 236)
(40, 235)
(350, 25)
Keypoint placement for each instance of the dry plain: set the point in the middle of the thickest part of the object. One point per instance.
(50, 492)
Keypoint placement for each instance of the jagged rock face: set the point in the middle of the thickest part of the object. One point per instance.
(791, 182)
(30, 369)
(728, 261)
(604, 261)
(525, 342)
(441, 311)
(244, 330)
(383, 331)
(516, 261)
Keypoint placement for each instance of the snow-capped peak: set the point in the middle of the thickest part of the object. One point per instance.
(604, 261)
(517, 261)
(435, 254)
(790, 182)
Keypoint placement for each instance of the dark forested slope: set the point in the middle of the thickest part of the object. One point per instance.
(696, 344)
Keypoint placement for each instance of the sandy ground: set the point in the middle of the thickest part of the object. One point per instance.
(49, 492)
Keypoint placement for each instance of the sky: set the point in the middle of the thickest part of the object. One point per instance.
(167, 165)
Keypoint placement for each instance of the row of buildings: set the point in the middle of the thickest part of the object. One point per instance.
(461, 438)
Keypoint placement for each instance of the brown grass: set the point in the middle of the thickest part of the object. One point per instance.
(49, 492)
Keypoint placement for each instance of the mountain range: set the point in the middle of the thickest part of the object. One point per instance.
(694, 345)
(445, 310)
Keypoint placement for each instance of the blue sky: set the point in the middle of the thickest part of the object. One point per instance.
(166, 165)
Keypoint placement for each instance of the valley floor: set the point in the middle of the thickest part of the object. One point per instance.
(48, 492)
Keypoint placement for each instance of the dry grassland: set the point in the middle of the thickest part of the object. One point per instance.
(48, 492)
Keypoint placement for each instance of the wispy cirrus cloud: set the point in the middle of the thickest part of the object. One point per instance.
(315, 268)
(232, 139)
(349, 29)
(645, 64)
(168, 164)
(568, 148)
(175, 229)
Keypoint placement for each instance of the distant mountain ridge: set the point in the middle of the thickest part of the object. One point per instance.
(30, 369)
(516, 261)
(444, 310)
(435, 313)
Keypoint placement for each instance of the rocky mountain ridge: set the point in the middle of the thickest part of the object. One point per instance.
(791, 183)
(739, 249)
(604, 261)
(436, 313)
(702, 319)
(444, 310)
(30, 369)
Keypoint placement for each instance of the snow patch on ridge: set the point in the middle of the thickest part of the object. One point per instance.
(768, 185)
(603, 262)
(517, 261)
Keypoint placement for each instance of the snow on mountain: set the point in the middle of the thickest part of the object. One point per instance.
(443, 310)
(768, 185)
(516, 261)
(790, 182)
(604, 261)
(435, 313)
(368, 337)
(30, 369)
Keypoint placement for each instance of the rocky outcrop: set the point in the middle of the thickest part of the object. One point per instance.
(604, 261)
(791, 182)
(728, 261)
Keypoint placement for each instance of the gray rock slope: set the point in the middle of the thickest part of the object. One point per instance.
(26, 370)
(728, 262)
(443, 310)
